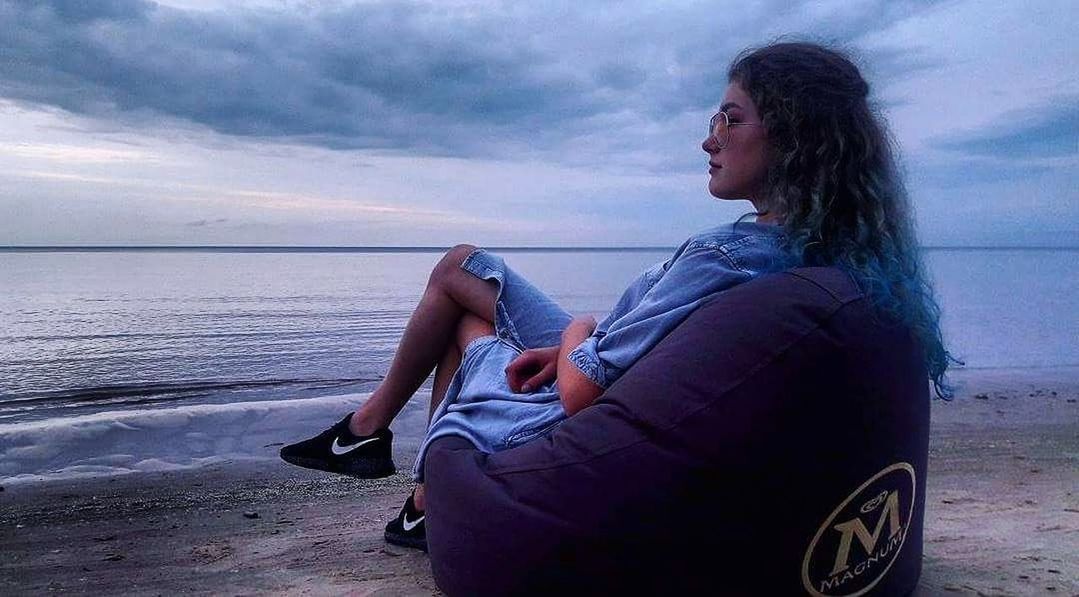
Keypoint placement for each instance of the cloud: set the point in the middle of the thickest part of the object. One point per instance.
(290, 205)
(204, 222)
(952, 172)
(427, 78)
(373, 75)
(69, 154)
(1049, 131)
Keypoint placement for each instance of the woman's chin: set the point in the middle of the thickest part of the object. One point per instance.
(725, 193)
(721, 191)
(721, 194)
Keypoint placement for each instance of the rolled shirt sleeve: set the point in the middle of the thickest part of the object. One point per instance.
(655, 304)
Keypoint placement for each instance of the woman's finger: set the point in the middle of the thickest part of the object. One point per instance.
(543, 377)
(517, 370)
(519, 363)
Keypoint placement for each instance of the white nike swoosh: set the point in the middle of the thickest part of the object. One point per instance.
(338, 449)
(410, 525)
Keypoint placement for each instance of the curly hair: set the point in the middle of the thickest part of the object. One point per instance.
(834, 182)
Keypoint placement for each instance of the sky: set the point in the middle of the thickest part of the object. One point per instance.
(438, 122)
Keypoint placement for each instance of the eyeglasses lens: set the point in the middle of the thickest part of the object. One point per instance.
(720, 129)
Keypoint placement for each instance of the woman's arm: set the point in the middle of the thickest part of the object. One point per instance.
(695, 273)
(574, 388)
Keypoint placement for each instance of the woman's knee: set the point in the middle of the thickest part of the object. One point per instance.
(450, 264)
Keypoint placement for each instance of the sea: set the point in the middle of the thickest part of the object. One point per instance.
(223, 354)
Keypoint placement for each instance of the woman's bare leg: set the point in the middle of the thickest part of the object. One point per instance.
(450, 294)
(444, 375)
(470, 328)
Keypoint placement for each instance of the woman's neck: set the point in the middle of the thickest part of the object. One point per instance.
(766, 216)
(770, 218)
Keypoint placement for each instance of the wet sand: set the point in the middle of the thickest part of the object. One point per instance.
(1002, 514)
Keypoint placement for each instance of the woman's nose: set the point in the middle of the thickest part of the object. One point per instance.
(709, 144)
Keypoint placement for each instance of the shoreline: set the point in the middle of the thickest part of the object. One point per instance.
(1002, 514)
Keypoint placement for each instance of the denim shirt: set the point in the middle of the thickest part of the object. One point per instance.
(665, 294)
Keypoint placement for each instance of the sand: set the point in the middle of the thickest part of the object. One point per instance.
(1002, 515)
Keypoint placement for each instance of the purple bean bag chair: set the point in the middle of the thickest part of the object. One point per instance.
(774, 443)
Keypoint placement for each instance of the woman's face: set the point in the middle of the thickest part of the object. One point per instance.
(739, 170)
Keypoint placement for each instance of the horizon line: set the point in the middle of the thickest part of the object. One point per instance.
(433, 249)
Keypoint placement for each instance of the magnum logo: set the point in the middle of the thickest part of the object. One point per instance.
(858, 543)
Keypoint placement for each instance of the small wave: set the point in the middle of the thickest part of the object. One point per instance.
(183, 436)
(173, 336)
(155, 392)
(159, 439)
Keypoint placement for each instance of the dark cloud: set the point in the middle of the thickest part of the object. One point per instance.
(952, 174)
(415, 76)
(204, 222)
(375, 75)
(81, 11)
(1046, 132)
(620, 77)
(705, 56)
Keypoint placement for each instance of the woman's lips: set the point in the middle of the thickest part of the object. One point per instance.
(712, 167)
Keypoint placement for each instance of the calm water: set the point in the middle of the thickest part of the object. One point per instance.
(83, 332)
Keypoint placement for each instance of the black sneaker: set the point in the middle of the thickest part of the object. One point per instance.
(337, 450)
(409, 528)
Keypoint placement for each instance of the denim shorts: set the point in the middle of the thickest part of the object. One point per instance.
(479, 404)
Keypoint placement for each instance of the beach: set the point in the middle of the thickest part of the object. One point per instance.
(140, 420)
(1002, 514)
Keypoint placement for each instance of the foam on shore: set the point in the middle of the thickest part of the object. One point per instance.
(120, 442)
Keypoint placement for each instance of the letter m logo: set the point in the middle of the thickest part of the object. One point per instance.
(854, 528)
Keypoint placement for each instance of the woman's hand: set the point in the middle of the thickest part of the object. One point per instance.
(532, 369)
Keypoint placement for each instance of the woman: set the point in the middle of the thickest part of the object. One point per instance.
(795, 136)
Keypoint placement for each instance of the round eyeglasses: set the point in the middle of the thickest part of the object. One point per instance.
(719, 128)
